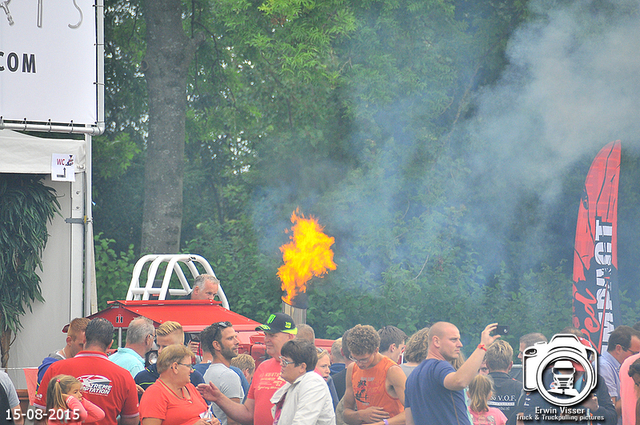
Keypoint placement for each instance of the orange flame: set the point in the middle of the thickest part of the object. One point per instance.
(308, 254)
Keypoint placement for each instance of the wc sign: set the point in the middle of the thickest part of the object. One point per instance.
(63, 167)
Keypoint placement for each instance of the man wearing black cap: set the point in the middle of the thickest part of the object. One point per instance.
(279, 329)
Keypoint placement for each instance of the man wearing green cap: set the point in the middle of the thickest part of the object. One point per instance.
(279, 329)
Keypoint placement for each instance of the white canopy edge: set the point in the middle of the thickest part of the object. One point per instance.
(24, 154)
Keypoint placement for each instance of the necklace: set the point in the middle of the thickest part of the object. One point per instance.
(182, 397)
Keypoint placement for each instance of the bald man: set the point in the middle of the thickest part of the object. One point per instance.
(434, 391)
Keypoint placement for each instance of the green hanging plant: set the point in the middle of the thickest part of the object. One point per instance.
(26, 206)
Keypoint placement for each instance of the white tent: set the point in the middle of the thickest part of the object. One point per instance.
(63, 274)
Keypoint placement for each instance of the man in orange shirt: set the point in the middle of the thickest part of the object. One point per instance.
(374, 383)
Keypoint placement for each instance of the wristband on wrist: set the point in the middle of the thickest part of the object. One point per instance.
(386, 422)
(482, 347)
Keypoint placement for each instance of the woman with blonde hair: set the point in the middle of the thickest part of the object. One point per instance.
(172, 399)
(415, 351)
(323, 368)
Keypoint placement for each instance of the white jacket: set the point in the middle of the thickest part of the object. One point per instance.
(308, 402)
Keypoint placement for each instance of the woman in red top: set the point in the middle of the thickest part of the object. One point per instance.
(172, 399)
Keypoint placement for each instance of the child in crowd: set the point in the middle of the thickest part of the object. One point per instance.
(480, 390)
(66, 405)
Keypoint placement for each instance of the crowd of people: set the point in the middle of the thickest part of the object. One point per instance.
(369, 376)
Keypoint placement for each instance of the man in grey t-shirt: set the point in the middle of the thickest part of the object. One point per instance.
(12, 396)
(222, 341)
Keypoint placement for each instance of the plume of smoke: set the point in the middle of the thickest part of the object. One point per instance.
(571, 87)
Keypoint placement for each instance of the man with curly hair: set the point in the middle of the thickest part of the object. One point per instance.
(374, 383)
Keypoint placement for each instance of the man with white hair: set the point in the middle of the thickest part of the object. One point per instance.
(205, 287)
(140, 336)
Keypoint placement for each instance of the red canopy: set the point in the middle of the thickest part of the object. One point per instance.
(194, 316)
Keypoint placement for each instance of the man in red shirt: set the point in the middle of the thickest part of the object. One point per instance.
(104, 383)
(279, 329)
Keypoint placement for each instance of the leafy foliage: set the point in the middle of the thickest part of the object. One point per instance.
(351, 111)
(26, 206)
(113, 270)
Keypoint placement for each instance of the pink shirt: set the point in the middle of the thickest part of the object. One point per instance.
(266, 380)
(77, 412)
(628, 392)
(493, 417)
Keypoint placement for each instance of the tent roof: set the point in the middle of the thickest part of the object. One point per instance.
(24, 154)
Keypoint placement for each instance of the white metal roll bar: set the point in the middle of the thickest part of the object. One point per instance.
(136, 292)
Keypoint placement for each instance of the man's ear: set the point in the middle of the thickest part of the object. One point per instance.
(436, 342)
(213, 345)
(69, 339)
(392, 347)
(510, 366)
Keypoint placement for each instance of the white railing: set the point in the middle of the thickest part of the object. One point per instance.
(137, 292)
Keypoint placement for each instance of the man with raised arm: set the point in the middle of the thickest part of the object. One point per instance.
(434, 393)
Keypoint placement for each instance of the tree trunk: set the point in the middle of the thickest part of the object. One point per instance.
(5, 345)
(169, 53)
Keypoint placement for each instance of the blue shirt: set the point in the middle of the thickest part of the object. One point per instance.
(430, 402)
(609, 370)
(128, 359)
(150, 375)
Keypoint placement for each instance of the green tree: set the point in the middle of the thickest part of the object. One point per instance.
(166, 65)
(26, 207)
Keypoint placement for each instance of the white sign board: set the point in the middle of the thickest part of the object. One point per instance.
(63, 167)
(48, 61)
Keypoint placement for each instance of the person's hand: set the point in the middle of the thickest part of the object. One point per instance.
(209, 392)
(485, 338)
(140, 389)
(65, 397)
(194, 346)
(591, 403)
(373, 414)
(211, 421)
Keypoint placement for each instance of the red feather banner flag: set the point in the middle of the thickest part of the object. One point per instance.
(596, 304)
